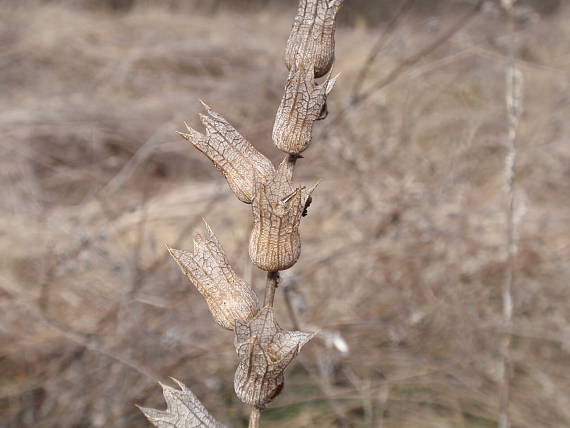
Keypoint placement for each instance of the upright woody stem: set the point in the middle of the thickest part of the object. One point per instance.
(254, 417)
(264, 350)
(270, 286)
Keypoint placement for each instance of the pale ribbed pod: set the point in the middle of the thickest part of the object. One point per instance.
(312, 37)
(302, 104)
(241, 163)
(275, 243)
(264, 351)
(228, 296)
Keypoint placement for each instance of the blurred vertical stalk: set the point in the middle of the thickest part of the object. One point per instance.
(254, 417)
(270, 286)
(514, 107)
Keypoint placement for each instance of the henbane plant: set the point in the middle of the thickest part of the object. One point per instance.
(264, 350)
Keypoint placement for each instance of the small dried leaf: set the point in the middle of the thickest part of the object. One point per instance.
(275, 242)
(312, 36)
(183, 410)
(232, 154)
(264, 351)
(228, 296)
(302, 104)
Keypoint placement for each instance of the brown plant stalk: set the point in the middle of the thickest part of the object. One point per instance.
(514, 110)
(264, 350)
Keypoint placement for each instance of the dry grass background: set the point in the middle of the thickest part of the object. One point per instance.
(403, 250)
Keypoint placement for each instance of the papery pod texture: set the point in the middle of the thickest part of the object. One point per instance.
(275, 243)
(183, 410)
(312, 37)
(229, 297)
(232, 154)
(264, 351)
(302, 103)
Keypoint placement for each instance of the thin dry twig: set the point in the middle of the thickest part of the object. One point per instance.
(514, 107)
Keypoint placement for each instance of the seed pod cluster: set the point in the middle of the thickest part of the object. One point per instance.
(264, 349)
(309, 55)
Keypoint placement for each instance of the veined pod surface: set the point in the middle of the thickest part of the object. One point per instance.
(312, 37)
(229, 297)
(302, 103)
(183, 410)
(275, 242)
(241, 163)
(264, 351)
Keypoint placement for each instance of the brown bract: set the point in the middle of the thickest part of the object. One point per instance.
(228, 296)
(241, 163)
(264, 351)
(183, 410)
(275, 243)
(302, 103)
(312, 37)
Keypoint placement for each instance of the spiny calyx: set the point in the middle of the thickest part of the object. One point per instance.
(241, 163)
(264, 351)
(275, 242)
(228, 296)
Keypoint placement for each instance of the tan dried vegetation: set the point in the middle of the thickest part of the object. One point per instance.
(403, 249)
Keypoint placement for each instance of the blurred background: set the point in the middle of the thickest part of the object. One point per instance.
(404, 248)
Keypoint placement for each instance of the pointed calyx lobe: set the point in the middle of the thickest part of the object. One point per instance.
(229, 297)
(275, 243)
(231, 153)
(183, 410)
(312, 36)
(264, 351)
(302, 103)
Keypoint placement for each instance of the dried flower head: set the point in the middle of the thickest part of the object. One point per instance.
(275, 243)
(183, 410)
(312, 36)
(264, 351)
(228, 296)
(302, 103)
(231, 153)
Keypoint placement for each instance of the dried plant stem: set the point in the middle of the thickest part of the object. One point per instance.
(254, 417)
(513, 101)
(270, 286)
(263, 348)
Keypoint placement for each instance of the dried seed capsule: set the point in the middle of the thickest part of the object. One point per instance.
(264, 351)
(232, 154)
(183, 410)
(275, 243)
(302, 103)
(229, 297)
(312, 36)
